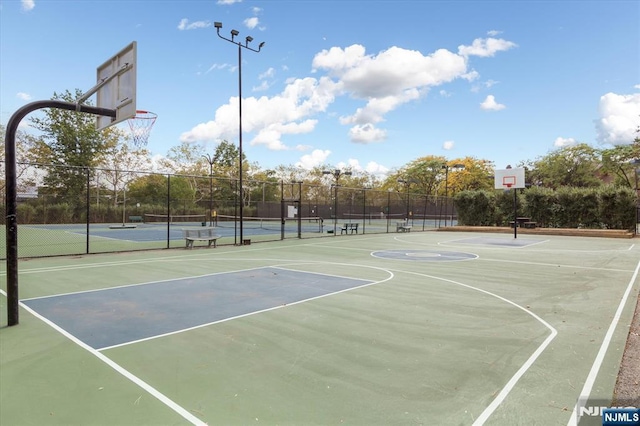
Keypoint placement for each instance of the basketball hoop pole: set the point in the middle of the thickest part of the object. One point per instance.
(515, 213)
(515, 210)
(13, 305)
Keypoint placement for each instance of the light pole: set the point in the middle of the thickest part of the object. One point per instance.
(407, 183)
(210, 160)
(248, 39)
(336, 174)
(446, 168)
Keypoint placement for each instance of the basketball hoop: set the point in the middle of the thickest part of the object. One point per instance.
(140, 126)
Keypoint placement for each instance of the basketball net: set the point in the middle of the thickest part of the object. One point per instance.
(141, 126)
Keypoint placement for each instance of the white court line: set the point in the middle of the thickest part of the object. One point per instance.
(555, 265)
(95, 290)
(486, 413)
(133, 378)
(523, 369)
(597, 363)
(248, 314)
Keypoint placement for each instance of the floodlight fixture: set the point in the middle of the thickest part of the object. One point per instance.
(234, 33)
(249, 39)
(260, 45)
(218, 25)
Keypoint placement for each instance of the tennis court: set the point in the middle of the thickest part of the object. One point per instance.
(407, 328)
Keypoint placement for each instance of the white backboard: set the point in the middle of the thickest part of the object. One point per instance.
(119, 89)
(509, 178)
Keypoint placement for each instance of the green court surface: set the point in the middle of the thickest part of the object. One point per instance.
(429, 328)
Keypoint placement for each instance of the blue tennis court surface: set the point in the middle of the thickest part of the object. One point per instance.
(114, 316)
(146, 232)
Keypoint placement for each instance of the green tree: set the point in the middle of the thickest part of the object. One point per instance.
(575, 166)
(616, 162)
(71, 144)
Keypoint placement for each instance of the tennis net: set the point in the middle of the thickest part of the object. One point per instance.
(309, 224)
(174, 218)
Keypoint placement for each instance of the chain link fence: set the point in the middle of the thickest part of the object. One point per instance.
(76, 210)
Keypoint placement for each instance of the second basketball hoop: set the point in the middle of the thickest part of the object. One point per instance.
(141, 125)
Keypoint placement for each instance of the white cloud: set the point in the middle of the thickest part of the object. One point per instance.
(267, 74)
(637, 86)
(376, 169)
(485, 47)
(366, 133)
(561, 142)
(316, 158)
(444, 93)
(619, 118)
(24, 96)
(490, 104)
(28, 5)
(251, 23)
(484, 85)
(493, 33)
(381, 82)
(264, 85)
(185, 25)
(227, 2)
(270, 118)
(448, 145)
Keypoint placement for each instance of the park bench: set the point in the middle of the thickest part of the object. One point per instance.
(200, 234)
(403, 227)
(346, 227)
(136, 219)
(524, 222)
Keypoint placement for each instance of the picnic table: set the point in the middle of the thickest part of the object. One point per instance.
(523, 222)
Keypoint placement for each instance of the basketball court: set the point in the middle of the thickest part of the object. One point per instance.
(427, 328)
(418, 328)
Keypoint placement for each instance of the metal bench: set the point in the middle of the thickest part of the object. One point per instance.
(403, 227)
(136, 219)
(346, 227)
(200, 234)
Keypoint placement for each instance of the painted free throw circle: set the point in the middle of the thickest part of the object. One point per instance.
(424, 255)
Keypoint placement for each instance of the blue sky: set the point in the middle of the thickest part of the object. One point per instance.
(368, 84)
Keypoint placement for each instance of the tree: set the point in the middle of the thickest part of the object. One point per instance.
(72, 145)
(575, 165)
(120, 162)
(475, 174)
(423, 173)
(25, 144)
